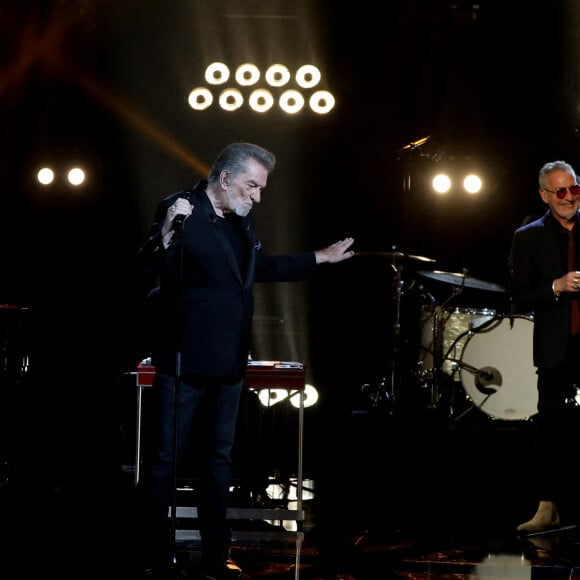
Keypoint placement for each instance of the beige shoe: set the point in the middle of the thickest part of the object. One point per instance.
(546, 518)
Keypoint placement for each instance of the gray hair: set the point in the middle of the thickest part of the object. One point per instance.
(552, 166)
(234, 157)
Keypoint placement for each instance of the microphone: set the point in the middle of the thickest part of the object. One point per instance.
(425, 293)
(180, 218)
(488, 380)
(178, 222)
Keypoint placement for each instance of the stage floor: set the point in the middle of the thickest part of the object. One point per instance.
(417, 496)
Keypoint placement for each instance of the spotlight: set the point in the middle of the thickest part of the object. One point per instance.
(261, 100)
(310, 397)
(472, 183)
(291, 101)
(217, 73)
(321, 102)
(231, 99)
(308, 76)
(76, 176)
(45, 176)
(200, 99)
(247, 74)
(271, 397)
(441, 183)
(277, 75)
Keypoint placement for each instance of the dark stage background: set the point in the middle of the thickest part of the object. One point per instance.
(105, 84)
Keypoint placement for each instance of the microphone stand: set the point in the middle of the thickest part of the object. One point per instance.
(178, 226)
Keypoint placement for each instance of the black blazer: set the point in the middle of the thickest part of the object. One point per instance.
(198, 283)
(537, 259)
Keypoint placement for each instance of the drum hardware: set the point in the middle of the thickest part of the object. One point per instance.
(439, 321)
(433, 380)
(443, 363)
(462, 280)
(392, 389)
(472, 329)
(396, 256)
(436, 374)
(436, 377)
(390, 386)
(443, 336)
(482, 377)
(378, 396)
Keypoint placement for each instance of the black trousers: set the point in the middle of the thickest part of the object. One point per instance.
(557, 426)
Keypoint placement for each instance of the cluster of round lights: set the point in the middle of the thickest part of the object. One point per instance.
(262, 99)
(74, 176)
(271, 397)
(442, 183)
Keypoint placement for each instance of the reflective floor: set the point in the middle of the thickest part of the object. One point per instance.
(416, 496)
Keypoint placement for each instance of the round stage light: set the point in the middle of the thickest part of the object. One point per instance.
(231, 100)
(310, 397)
(45, 176)
(200, 98)
(277, 75)
(441, 183)
(308, 76)
(261, 100)
(76, 176)
(217, 73)
(291, 101)
(322, 102)
(271, 397)
(472, 183)
(247, 74)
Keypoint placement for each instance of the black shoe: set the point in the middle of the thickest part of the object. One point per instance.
(229, 570)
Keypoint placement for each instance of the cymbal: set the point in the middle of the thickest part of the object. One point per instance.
(461, 280)
(396, 256)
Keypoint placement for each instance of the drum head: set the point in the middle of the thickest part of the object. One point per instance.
(497, 369)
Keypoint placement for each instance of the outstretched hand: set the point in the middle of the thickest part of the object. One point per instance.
(337, 252)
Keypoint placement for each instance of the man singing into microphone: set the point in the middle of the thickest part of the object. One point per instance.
(203, 257)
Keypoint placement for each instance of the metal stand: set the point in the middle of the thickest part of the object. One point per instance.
(394, 384)
(439, 356)
(390, 388)
(259, 375)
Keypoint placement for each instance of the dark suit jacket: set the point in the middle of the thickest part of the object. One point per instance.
(200, 284)
(537, 260)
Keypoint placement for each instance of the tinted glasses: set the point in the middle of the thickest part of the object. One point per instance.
(561, 191)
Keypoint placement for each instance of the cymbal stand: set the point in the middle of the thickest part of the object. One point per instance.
(393, 386)
(438, 322)
(439, 357)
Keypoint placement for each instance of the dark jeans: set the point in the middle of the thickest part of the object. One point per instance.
(215, 406)
(557, 425)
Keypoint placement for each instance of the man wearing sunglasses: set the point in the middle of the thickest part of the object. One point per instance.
(545, 272)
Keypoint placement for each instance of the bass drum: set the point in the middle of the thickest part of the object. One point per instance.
(497, 369)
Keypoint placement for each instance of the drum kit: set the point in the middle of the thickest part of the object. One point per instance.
(469, 358)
